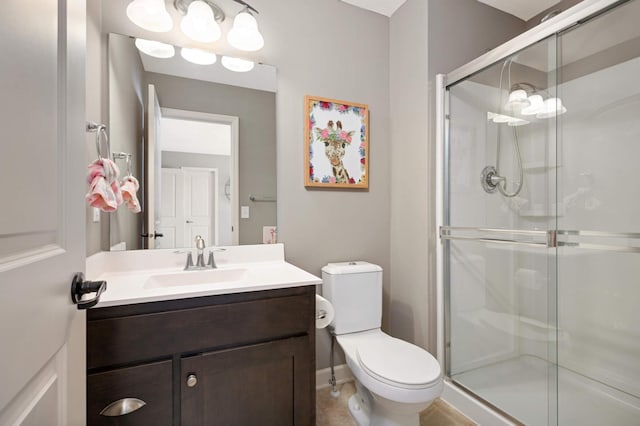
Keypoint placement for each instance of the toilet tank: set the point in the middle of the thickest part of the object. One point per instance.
(355, 291)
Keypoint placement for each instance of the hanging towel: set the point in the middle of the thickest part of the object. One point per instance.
(129, 187)
(104, 190)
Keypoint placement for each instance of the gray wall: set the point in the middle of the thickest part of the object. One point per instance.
(126, 123)
(334, 50)
(456, 31)
(255, 108)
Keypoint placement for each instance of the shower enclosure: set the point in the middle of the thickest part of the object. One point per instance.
(540, 225)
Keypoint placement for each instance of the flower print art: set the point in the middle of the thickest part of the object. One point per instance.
(337, 144)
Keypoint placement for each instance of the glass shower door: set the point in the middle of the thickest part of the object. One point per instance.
(500, 265)
(599, 230)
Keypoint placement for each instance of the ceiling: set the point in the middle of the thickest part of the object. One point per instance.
(523, 9)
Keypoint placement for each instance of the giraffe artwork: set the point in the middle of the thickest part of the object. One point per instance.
(337, 146)
(335, 142)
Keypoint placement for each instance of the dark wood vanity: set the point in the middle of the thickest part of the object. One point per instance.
(236, 359)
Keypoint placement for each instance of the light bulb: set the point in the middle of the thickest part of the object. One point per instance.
(150, 15)
(198, 56)
(517, 100)
(244, 34)
(199, 23)
(155, 48)
(552, 107)
(536, 105)
(237, 64)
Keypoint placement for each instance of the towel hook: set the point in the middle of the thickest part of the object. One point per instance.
(125, 156)
(99, 129)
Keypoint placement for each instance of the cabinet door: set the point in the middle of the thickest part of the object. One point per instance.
(267, 384)
(150, 383)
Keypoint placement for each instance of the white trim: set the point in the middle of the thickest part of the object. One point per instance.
(343, 375)
(234, 166)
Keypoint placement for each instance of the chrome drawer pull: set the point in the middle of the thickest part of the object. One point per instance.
(122, 406)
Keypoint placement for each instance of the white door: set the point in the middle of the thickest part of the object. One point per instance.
(201, 195)
(172, 220)
(152, 197)
(188, 207)
(42, 235)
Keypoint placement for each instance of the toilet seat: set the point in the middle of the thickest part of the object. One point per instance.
(397, 363)
(389, 387)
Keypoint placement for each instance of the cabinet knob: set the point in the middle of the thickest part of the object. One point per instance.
(192, 380)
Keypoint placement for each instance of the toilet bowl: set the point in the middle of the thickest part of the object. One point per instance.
(401, 378)
(395, 380)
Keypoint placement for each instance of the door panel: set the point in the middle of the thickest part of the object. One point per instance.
(172, 220)
(42, 225)
(249, 385)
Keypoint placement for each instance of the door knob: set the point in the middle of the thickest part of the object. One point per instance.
(192, 380)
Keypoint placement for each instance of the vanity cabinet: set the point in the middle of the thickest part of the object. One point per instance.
(244, 358)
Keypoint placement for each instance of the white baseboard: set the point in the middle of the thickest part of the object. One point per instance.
(343, 374)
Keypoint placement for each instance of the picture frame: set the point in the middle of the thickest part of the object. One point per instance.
(336, 144)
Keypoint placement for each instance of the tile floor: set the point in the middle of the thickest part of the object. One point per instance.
(334, 412)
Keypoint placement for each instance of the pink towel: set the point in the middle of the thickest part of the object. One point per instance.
(129, 187)
(104, 191)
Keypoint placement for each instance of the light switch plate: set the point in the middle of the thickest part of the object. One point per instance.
(244, 212)
(96, 214)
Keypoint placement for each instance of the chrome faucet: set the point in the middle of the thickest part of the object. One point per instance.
(200, 248)
(211, 263)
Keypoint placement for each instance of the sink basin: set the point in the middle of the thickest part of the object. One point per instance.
(178, 279)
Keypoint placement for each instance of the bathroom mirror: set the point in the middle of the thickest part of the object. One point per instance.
(202, 140)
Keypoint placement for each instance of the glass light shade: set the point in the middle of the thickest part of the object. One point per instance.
(237, 64)
(536, 105)
(150, 15)
(199, 23)
(498, 118)
(552, 107)
(155, 48)
(244, 34)
(198, 56)
(515, 122)
(517, 100)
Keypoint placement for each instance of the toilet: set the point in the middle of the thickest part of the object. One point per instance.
(395, 380)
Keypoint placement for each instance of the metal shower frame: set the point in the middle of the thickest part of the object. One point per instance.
(576, 15)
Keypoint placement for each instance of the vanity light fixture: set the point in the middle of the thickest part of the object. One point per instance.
(244, 34)
(150, 15)
(200, 21)
(237, 64)
(198, 56)
(525, 99)
(155, 48)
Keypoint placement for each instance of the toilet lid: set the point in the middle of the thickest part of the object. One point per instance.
(398, 363)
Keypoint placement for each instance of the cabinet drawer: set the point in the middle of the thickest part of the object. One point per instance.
(150, 383)
(115, 341)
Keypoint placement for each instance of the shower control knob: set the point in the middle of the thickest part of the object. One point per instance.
(192, 380)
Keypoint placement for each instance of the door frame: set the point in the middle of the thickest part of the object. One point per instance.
(234, 167)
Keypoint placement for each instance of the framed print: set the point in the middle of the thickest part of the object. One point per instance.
(336, 144)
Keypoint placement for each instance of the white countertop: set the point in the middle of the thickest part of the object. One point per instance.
(262, 267)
